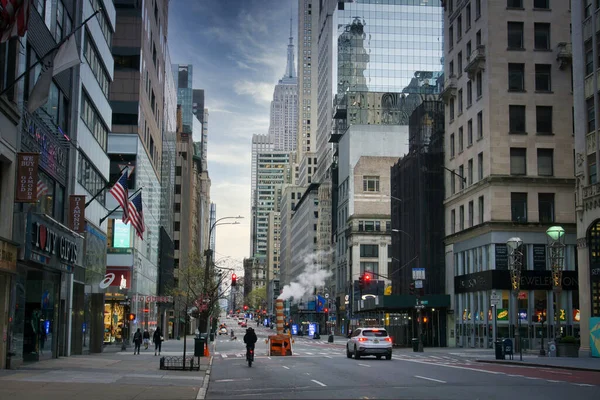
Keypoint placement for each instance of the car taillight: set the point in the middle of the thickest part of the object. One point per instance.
(362, 339)
(388, 339)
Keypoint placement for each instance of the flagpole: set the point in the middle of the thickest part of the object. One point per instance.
(32, 66)
(117, 207)
(108, 184)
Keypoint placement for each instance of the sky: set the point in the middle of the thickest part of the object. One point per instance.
(238, 49)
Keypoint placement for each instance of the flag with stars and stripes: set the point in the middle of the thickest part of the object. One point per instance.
(136, 215)
(121, 193)
(42, 189)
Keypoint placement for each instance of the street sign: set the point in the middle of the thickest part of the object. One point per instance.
(418, 274)
(419, 284)
(424, 302)
(326, 295)
(495, 299)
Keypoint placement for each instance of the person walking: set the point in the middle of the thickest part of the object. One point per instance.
(146, 339)
(157, 339)
(137, 341)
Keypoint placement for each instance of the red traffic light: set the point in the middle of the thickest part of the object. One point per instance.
(233, 279)
(327, 310)
(245, 308)
(131, 317)
(367, 277)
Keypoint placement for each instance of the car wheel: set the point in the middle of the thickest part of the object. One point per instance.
(378, 357)
(348, 354)
(356, 355)
(388, 357)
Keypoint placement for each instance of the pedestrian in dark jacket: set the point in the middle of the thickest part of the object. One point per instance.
(146, 339)
(137, 341)
(157, 339)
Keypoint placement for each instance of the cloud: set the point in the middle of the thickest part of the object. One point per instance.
(261, 91)
(230, 154)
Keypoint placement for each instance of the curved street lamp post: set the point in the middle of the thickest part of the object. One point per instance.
(555, 236)
(515, 263)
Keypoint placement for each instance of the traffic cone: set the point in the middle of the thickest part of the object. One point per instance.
(206, 352)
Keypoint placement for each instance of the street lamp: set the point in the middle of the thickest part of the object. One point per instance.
(555, 236)
(208, 252)
(515, 263)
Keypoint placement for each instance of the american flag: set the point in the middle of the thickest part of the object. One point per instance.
(121, 193)
(136, 215)
(42, 189)
(14, 17)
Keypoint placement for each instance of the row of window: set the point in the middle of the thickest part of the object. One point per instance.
(92, 119)
(89, 177)
(468, 180)
(469, 135)
(95, 63)
(518, 161)
(471, 217)
(373, 226)
(103, 21)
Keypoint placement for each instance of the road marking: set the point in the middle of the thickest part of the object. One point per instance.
(232, 380)
(429, 379)
(532, 377)
(224, 355)
(310, 354)
(559, 372)
(455, 366)
(553, 381)
(328, 357)
(515, 376)
(365, 365)
(317, 382)
(583, 384)
(286, 367)
(269, 358)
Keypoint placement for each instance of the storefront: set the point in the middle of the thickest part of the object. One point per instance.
(50, 253)
(8, 270)
(540, 312)
(117, 304)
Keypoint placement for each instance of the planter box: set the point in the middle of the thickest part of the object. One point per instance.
(567, 350)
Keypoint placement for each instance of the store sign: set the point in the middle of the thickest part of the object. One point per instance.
(154, 299)
(27, 177)
(77, 213)
(8, 257)
(117, 277)
(49, 241)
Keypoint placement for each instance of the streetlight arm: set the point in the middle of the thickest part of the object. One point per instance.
(454, 173)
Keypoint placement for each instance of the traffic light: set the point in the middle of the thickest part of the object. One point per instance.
(131, 317)
(233, 280)
(367, 279)
(411, 289)
(361, 282)
(326, 310)
(245, 308)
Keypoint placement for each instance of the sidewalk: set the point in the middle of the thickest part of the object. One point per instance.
(109, 375)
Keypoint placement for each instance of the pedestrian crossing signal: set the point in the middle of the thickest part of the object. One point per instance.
(233, 280)
(131, 317)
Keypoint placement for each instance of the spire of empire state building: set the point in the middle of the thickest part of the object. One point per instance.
(290, 69)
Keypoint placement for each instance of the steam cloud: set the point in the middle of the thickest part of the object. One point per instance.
(313, 276)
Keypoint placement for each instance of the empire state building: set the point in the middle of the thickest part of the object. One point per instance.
(284, 107)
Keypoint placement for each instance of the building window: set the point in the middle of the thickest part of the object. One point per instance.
(89, 177)
(468, 16)
(92, 120)
(477, 8)
(369, 267)
(103, 21)
(478, 38)
(451, 105)
(479, 124)
(545, 162)
(369, 250)
(481, 209)
(541, 4)
(518, 202)
(592, 173)
(470, 172)
(516, 77)
(470, 132)
(516, 115)
(63, 24)
(541, 36)
(370, 184)
(460, 101)
(543, 116)
(546, 207)
(479, 82)
(542, 77)
(471, 216)
(461, 172)
(469, 93)
(453, 221)
(515, 35)
(453, 183)
(93, 59)
(8, 66)
(451, 68)
(518, 161)
(461, 216)
(452, 148)
(589, 57)
(479, 166)
(460, 140)
(459, 59)
(450, 37)
(514, 4)
(591, 115)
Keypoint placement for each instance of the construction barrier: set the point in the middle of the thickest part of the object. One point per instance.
(280, 345)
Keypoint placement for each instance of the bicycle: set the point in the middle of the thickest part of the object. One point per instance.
(250, 355)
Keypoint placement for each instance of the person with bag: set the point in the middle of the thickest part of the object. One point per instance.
(137, 341)
(157, 339)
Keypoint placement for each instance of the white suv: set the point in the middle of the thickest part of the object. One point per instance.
(369, 342)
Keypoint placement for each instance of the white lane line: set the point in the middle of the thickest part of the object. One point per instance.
(310, 354)
(269, 358)
(232, 380)
(455, 366)
(328, 357)
(553, 381)
(583, 384)
(365, 365)
(429, 379)
(515, 376)
(224, 355)
(286, 367)
(317, 382)
(532, 378)
(559, 372)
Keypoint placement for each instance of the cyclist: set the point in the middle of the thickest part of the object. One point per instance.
(250, 339)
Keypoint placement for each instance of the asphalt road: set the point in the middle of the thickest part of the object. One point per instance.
(320, 370)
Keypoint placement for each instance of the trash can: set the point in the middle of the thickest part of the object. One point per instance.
(212, 336)
(508, 349)
(330, 339)
(499, 350)
(415, 345)
(199, 343)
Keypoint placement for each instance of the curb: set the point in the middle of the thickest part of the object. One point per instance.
(204, 389)
(530, 364)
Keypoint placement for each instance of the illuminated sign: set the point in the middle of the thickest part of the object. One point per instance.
(122, 235)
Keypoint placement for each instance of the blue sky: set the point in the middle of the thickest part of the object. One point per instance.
(238, 50)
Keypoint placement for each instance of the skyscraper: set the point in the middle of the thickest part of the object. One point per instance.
(284, 107)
